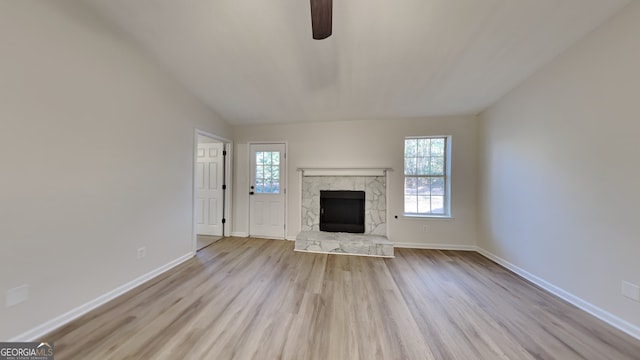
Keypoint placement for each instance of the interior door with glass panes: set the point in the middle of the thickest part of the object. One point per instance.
(267, 191)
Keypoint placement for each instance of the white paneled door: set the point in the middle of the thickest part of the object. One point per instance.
(209, 211)
(267, 190)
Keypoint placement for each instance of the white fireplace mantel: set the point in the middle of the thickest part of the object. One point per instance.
(318, 171)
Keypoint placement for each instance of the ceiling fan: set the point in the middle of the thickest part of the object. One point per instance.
(321, 13)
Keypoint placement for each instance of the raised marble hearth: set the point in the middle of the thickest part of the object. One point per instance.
(344, 243)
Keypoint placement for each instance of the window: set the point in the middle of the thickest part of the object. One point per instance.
(267, 172)
(426, 176)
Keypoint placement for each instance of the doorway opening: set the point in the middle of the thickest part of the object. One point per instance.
(211, 191)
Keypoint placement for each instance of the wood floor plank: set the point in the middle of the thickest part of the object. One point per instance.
(243, 298)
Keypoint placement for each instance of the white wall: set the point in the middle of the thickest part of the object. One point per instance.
(374, 143)
(96, 151)
(559, 171)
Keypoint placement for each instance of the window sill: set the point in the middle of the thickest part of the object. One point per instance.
(427, 217)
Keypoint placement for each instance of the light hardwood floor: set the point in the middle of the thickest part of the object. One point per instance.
(202, 241)
(258, 299)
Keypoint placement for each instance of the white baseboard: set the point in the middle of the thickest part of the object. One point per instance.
(601, 314)
(244, 234)
(435, 246)
(267, 237)
(73, 314)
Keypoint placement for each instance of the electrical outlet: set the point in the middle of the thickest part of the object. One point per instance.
(16, 295)
(425, 228)
(142, 252)
(631, 291)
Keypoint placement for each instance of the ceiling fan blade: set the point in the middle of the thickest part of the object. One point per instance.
(321, 14)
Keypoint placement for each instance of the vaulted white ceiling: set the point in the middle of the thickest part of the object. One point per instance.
(254, 61)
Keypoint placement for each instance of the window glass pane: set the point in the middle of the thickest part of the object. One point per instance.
(423, 147)
(259, 173)
(259, 178)
(437, 186)
(410, 166)
(437, 204)
(267, 172)
(275, 178)
(411, 186)
(424, 204)
(410, 204)
(437, 166)
(423, 166)
(437, 147)
(424, 187)
(410, 147)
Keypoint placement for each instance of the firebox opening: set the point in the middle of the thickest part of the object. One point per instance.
(342, 211)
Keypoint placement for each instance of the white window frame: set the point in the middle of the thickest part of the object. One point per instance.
(447, 179)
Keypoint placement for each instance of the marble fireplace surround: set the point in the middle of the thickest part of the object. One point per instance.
(373, 182)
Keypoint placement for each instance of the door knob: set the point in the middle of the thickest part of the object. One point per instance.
(250, 192)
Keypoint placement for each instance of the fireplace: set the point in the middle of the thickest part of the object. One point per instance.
(373, 185)
(342, 211)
